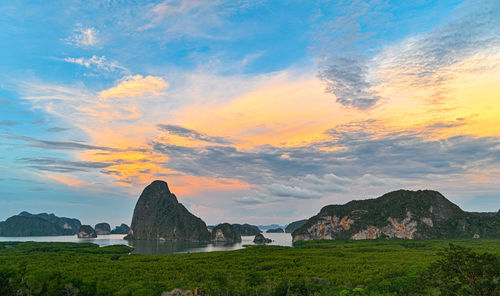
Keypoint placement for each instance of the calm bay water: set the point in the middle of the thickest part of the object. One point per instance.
(157, 247)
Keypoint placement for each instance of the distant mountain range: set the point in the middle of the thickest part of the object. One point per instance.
(43, 224)
(26, 224)
(404, 214)
(271, 226)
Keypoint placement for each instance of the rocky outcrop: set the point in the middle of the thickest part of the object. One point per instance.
(402, 214)
(404, 229)
(225, 233)
(102, 229)
(275, 230)
(159, 216)
(295, 225)
(246, 229)
(260, 239)
(86, 231)
(327, 227)
(122, 229)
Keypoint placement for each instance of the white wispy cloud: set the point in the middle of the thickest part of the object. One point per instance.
(353, 68)
(192, 18)
(83, 37)
(99, 63)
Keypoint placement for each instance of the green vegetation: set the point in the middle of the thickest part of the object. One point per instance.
(295, 225)
(372, 267)
(246, 229)
(26, 224)
(444, 218)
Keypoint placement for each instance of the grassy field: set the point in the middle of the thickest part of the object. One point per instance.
(373, 267)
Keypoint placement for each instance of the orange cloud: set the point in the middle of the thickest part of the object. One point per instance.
(134, 86)
(66, 180)
(466, 96)
(290, 113)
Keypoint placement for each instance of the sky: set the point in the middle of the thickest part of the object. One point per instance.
(252, 111)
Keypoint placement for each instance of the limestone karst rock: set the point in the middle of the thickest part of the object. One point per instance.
(102, 229)
(225, 233)
(159, 216)
(86, 231)
(122, 229)
(405, 214)
(260, 239)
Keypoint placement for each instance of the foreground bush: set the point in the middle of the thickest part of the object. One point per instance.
(461, 271)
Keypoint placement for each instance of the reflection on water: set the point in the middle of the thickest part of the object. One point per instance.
(158, 247)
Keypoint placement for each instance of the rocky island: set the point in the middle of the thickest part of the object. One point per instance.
(86, 231)
(102, 229)
(260, 239)
(26, 224)
(225, 233)
(246, 229)
(159, 216)
(403, 214)
(122, 229)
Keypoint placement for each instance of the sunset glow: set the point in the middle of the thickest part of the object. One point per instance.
(245, 114)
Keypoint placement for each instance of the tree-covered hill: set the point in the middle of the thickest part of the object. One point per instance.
(422, 214)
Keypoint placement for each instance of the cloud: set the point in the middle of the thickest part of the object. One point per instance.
(191, 134)
(58, 129)
(326, 183)
(354, 153)
(354, 69)
(345, 47)
(292, 191)
(7, 122)
(57, 145)
(83, 37)
(61, 165)
(192, 18)
(346, 78)
(370, 180)
(135, 86)
(426, 60)
(97, 63)
(250, 200)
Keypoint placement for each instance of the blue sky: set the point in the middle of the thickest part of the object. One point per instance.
(252, 111)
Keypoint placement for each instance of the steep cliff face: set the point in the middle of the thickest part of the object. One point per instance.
(159, 216)
(225, 233)
(404, 214)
